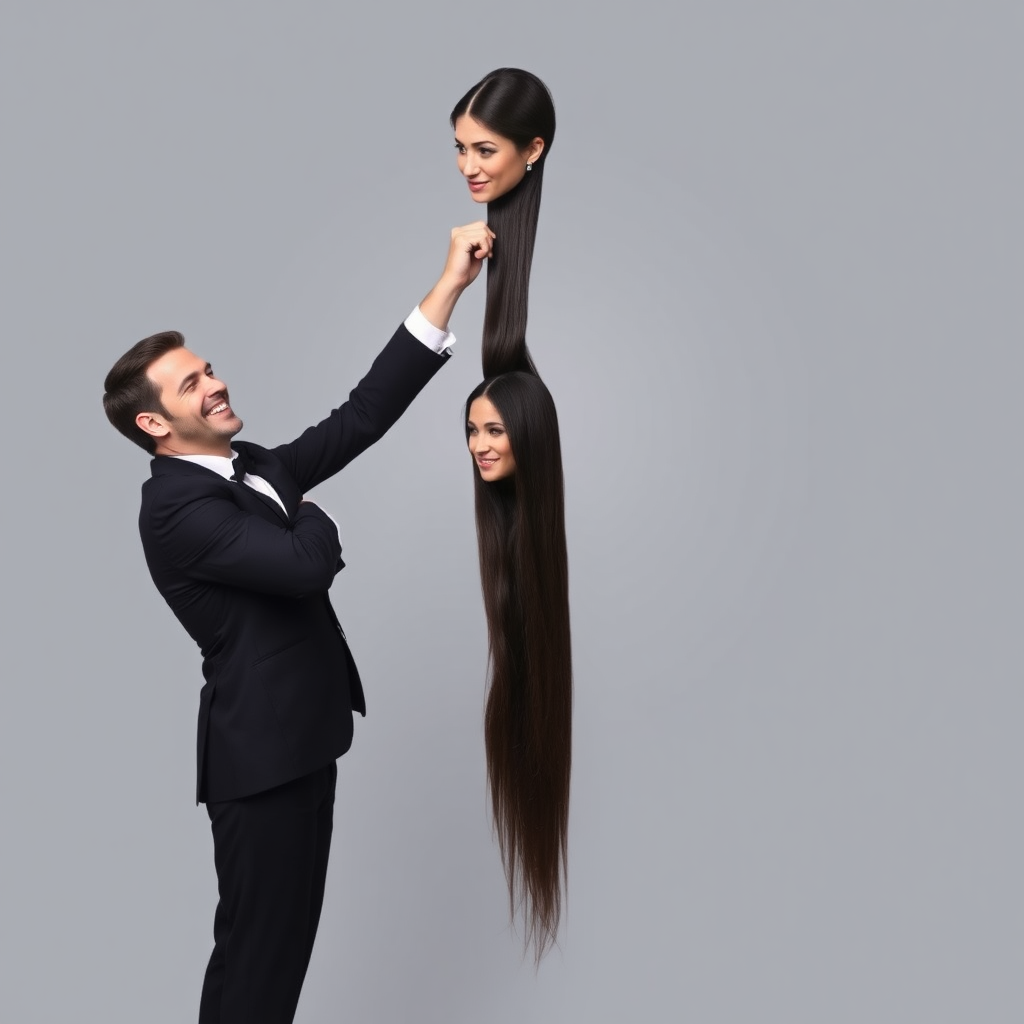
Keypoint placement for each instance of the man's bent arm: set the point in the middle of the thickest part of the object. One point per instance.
(396, 376)
(213, 540)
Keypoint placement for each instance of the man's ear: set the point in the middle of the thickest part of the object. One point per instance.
(152, 423)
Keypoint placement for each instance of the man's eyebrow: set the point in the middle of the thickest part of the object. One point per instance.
(192, 378)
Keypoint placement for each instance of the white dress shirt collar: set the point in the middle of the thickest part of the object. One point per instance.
(220, 464)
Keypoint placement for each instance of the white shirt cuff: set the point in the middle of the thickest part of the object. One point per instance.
(423, 330)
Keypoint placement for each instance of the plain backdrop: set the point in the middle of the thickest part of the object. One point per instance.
(777, 297)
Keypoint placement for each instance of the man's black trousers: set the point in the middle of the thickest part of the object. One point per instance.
(271, 852)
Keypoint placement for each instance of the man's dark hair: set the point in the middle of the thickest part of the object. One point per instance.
(129, 391)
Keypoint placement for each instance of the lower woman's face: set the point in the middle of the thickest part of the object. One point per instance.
(491, 164)
(488, 441)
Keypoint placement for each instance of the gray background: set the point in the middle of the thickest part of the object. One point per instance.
(772, 298)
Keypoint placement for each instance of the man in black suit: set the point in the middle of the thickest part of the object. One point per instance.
(245, 563)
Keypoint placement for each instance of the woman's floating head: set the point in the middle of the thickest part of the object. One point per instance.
(504, 127)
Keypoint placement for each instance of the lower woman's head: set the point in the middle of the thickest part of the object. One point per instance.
(512, 431)
(504, 127)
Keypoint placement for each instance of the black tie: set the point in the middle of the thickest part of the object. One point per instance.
(241, 466)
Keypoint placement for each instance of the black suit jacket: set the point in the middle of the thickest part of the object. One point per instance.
(250, 584)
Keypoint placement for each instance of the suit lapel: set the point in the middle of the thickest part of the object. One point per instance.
(264, 464)
(266, 500)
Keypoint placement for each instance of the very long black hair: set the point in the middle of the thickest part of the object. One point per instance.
(521, 536)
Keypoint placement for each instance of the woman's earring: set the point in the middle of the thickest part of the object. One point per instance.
(529, 167)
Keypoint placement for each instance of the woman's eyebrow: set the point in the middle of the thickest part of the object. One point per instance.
(479, 142)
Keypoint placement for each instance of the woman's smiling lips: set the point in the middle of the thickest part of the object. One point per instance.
(475, 186)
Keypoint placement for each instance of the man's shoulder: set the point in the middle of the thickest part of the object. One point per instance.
(174, 481)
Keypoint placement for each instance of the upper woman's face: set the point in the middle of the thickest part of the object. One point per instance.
(492, 164)
(488, 441)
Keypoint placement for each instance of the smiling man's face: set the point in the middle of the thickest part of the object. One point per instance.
(197, 418)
